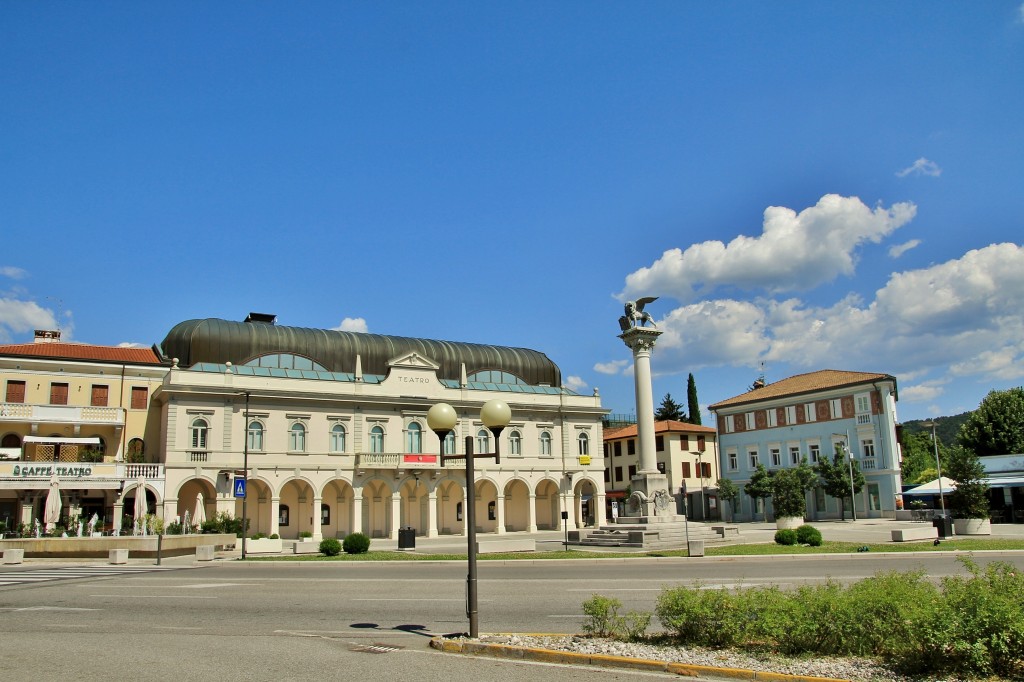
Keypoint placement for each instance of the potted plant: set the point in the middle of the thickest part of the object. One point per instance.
(789, 493)
(969, 500)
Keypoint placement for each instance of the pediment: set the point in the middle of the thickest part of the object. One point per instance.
(413, 360)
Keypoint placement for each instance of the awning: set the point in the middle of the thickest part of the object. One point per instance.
(92, 440)
(932, 487)
(1005, 482)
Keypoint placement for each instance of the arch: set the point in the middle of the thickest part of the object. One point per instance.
(187, 497)
(486, 501)
(10, 440)
(297, 495)
(517, 505)
(414, 505)
(377, 521)
(451, 519)
(584, 500)
(547, 504)
(339, 495)
(135, 453)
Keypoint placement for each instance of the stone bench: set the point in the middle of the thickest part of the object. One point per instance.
(14, 556)
(914, 533)
(725, 531)
(492, 546)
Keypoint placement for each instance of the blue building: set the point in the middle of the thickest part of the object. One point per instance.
(812, 416)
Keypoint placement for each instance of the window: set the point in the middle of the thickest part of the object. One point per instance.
(809, 412)
(607, 476)
(377, 439)
(254, 436)
(617, 450)
(773, 418)
(705, 469)
(701, 444)
(140, 397)
(618, 473)
(100, 396)
(414, 438)
(863, 403)
(659, 443)
(297, 438)
(874, 499)
(632, 471)
(515, 443)
(815, 451)
(791, 414)
(338, 438)
(686, 469)
(449, 443)
(836, 407)
(631, 447)
(749, 417)
(285, 361)
(58, 394)
(483, 441)
(15, 391)
(200, 431)
(729, 424)
(776, 456)
(754, 459)
(282, 515)
(733, 462)
(819, 499)
(584, 443)
(794, 455)
(136, 452)
(545, 444)
(325, 515)
(684, 442)
(869, 447)
(494, 376)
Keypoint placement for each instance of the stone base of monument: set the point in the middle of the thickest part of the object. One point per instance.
(646, 532)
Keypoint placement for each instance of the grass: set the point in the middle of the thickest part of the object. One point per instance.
(766, 549)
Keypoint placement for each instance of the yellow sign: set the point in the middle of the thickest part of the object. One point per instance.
(584, 459)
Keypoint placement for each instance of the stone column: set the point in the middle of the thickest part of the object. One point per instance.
(499, 514)
(396, 514)
(275, 516)
(318, 529)
(531, 523)
(432, 514)
(357, 511)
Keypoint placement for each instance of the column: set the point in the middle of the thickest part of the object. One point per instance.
(499, 514)
(275, 516)
(118, 513)
(357, 510)
(432, 514)
(569, 505)
(599, 506)
(318, 529)
(396, 515)
(531, 522)
(641, 340)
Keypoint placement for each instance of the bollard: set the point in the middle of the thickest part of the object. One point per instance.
(118, 556)
(14, 556)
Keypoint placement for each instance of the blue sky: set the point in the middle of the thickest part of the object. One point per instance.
(804, 185)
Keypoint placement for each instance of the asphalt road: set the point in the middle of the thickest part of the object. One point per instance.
(282, 621)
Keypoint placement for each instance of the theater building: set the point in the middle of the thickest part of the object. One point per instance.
(331, 426)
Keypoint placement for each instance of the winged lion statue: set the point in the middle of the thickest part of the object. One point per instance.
(635, 315)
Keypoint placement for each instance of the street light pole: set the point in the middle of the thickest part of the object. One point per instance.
(938, 465)
(849, 458)
(245, 470)
(441, 419)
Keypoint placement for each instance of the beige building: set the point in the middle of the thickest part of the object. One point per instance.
(686, 453)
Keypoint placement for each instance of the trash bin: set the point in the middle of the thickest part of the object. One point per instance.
(944, 524)
(406, 538)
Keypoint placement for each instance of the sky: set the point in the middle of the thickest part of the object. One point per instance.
(803, 185)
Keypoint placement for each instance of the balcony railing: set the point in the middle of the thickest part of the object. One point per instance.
(868, 463)
(401, 460)
(62, 413)
(147, 471)
(198, 456)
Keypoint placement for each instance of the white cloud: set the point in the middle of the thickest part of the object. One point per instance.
(900, 249)
(921, 392)
(12, 272)
(613, 367)
(18, 317)
(795, 251)
(921, 167)
(1020, 14)
(964, 317)
(575, 383)
(352, 324)
(132, 344)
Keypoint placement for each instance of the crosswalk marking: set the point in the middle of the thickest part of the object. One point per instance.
(41, 575)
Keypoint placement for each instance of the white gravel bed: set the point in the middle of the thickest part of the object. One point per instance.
(844, 668)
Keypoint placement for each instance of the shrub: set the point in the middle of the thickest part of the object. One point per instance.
(305, 535)
(330, 547)
(602, 616)
(786, 536)
(356, 543)
(275, 536)
(808, 535)
(702, 617)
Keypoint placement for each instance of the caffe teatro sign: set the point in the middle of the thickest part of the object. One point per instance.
(51, 470)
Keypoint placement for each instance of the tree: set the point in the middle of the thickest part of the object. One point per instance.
(997, 426)
(835, 478)
(669, 409)
(789, 489)
(970, 498)
(728, 492)
(691, 401)
(919, 457)
(760, 485)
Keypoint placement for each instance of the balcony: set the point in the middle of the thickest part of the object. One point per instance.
(392, 461)
(61, 414)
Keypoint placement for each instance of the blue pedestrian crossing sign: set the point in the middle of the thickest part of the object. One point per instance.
(239, 487)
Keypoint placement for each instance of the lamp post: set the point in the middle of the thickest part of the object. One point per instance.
(441, 419)
(938, 465)
(849, 458)
(245, 471)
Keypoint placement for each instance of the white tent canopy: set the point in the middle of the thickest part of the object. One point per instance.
(932, 487)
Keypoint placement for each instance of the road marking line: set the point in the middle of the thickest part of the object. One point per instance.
(152, 596)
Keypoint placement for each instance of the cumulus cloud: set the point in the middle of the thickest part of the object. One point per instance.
(575, 383)
(900, 249)
(12, 272)
(352, 324)
(964, 316)
(1020, 14)
(920, 393)
(613, 367)
(18, 317)
(921, 167)
(795, 251)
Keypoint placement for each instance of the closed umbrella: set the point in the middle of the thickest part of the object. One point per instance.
(200, 515)
(140, 506)
(51, 514)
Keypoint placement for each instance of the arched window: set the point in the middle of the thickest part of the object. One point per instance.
(449, 443)
(414, 438)
(200, 431)
(254, 435)
(545, 444)
(338, 438)
(377, 439)
(10, 440)
(135, 454)
(483, 441)
(584, 443)
(515, 443)
(297, 438)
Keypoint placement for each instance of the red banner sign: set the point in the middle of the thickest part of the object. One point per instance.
(419, 459)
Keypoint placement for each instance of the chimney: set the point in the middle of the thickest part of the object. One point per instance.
(47, 336)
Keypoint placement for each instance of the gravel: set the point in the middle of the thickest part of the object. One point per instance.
(844, 668)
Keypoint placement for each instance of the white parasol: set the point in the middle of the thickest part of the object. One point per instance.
(140, 505)
(51, 513)
(200, 515)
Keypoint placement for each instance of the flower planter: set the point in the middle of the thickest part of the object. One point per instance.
(264, 546)
(788, 522)
(972, 527)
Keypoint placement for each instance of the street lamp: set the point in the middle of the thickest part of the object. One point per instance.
(441, 419)
(845, 445)
(245, 469)
(938, 466)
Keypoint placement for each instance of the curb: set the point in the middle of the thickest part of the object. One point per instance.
(508, 652)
